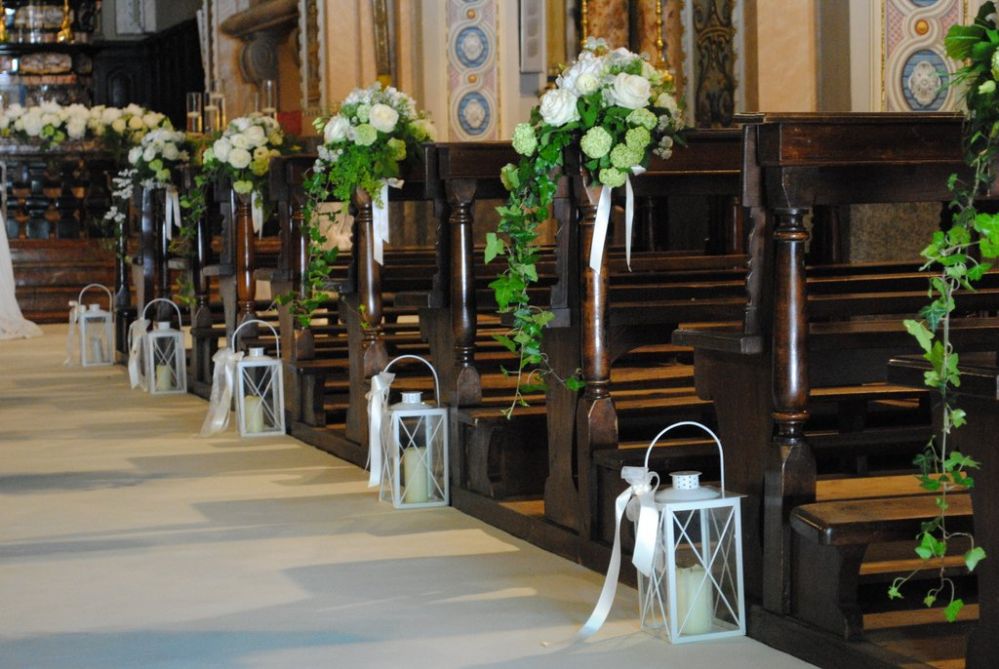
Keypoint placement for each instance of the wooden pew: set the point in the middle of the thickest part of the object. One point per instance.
(764, 377)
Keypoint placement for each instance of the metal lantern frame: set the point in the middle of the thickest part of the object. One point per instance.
(710, 530)
(92, 319)
(154, 358)
(273, 386)
(434, 423)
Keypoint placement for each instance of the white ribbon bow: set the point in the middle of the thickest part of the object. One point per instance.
(257, 213)
(75, 313)
(380, 219)
(171, 211)
(377, 397)
(223, 385)
(638, 500)
(602, 221)
(136, 339)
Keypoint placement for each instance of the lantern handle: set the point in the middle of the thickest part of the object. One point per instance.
(79, 299)
(180, 318)
(437, 383)
(721, 456)
(277, 339)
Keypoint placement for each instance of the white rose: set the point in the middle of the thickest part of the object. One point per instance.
(668, 102)
(111, 114)
(336, 129)
(261, 152)
(32, 124)
(629, 91)
(584, 76)
(240, 141)
(586, 83)
(558, 107)
(134, 154)
(383, 117)
(241, 123)
(255, 135)
(119, 125)
(134, 109)
(76, 128)
(170, 152)
(135, 123)
(239, 158)
(152, 119)
(222, 148)
(149, 153)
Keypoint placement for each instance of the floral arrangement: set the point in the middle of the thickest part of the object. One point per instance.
(958, 258)
(50, 124)
(617, 109)
(372, 133)
(244, 152)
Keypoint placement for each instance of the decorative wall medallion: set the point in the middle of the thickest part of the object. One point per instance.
(915, 68)
(473, 79)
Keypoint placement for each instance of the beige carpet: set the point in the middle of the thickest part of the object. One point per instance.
(126, 541)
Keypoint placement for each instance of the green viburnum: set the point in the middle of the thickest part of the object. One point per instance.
(596, 142)
(242, 187)
(365, 134)
(613, 177)
(524, 141)
(363, 113)
(398, 148)
(638, 138)
(644, 118)
(624, 157)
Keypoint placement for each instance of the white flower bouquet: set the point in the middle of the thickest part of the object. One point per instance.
(50, 124)
(244, 152)
(372, 133)
(159, 151)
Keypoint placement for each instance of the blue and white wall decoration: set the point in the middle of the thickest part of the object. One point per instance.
(473, 84)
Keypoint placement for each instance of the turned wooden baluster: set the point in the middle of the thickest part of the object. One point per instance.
(369, 286)
(790, 477)
(461, 196)
(246, 287)
(148, 249)
(201, 283)
(124, 313)
(298, 243)
(596, 417)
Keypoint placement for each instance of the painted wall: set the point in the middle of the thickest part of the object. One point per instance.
(780, 55)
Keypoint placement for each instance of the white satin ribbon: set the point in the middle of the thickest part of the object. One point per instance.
(257, 213)
(171, 211)
(640, 494)
(602, 221)
(75, 312)
(380, 219)
(136, 339)
(377, 397)
(223, 386)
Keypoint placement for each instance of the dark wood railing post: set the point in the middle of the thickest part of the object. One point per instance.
(790, 475)
(148, 250)
(461, 196)
(369, 286)
(246, 287)
(596, 417)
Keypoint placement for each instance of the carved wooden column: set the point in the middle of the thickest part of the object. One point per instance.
(467, 387)
(304, 343)
(596, 418)
(246, 287)
(201, 258)
(124, 312)
(369, 287)
(148, 250)
(790, 477)
(163, 251)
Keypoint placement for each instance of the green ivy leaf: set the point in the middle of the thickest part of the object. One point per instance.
(954, 608)
(929, 600)
(921, 333)
(973, 557)
(894, 592)
(494, 246)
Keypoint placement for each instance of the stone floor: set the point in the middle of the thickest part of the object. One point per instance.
(127, 541)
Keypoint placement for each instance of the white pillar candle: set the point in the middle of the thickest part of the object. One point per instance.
(164, 377)
(96, 349)
(694, 609)
(253, 413)
(415, 475)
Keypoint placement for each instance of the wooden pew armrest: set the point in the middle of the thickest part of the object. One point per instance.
(412, 298)
(722, 339)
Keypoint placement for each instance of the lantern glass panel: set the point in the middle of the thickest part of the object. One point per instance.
(95, 337)
(165, 360)
(261, 401)
(417, 445)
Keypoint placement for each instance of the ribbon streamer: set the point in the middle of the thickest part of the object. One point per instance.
(380, 219)
(171, 211)
(377, 397)
(602, 221)
(223, 385)
(257, 213)
(641, 492)
(136, 339)
(75, 313)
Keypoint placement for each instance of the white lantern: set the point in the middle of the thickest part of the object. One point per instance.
(96, 329)
(259, 389)
(165, 358)
(415, 449)
(695, 590)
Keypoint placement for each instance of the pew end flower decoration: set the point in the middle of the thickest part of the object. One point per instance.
(617, 110)
(373, 133)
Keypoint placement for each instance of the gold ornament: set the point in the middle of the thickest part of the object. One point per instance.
(65, 33)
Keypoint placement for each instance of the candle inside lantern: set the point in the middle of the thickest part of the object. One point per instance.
(96, 349)
(415, 475)
(253, 413)
(694, 610)
(164, 377)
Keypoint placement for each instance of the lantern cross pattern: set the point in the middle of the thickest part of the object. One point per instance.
(423, 455)
(262, 390)
(709, 563)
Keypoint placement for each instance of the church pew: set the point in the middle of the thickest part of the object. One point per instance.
(765, 377)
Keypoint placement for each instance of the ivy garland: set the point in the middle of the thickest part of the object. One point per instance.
(617, 109)
(960, 257)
